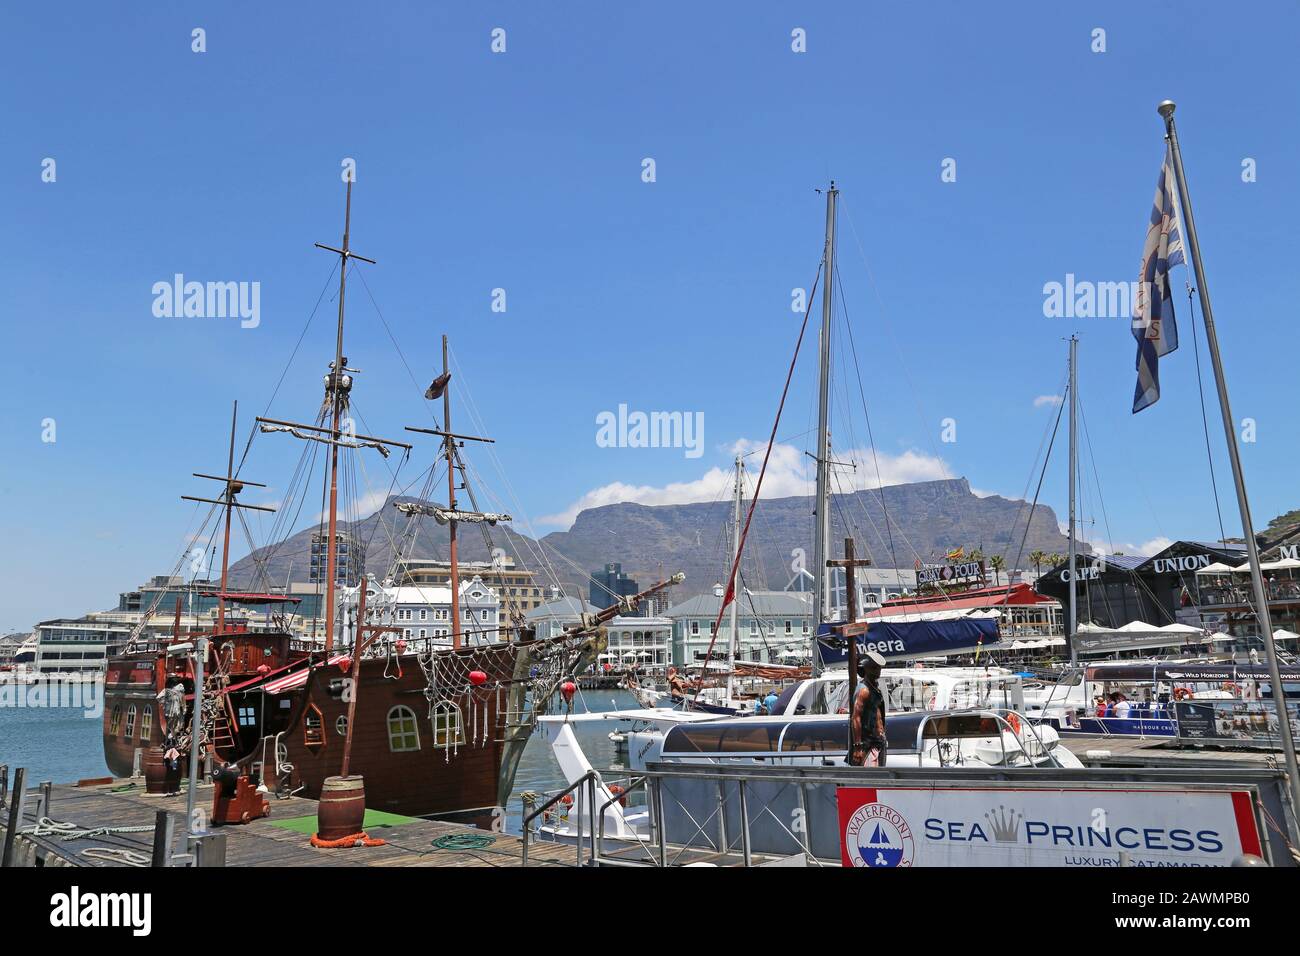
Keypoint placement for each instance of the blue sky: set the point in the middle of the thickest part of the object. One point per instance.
(523, 171)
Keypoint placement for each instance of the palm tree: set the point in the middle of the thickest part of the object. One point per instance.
(997, 563)
(1038, 557)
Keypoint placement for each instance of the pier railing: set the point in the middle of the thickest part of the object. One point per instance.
(747, 815)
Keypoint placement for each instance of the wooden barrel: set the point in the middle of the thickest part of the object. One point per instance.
(342, 808)
(158, 777)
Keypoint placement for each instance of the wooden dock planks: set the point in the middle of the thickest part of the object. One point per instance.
(260, 844)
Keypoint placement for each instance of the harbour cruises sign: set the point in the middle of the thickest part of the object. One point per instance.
(1245, 722)
(885, 827)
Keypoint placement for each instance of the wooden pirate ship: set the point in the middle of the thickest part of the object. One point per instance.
(435, 725)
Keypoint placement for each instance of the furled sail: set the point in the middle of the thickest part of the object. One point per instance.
(443, 515)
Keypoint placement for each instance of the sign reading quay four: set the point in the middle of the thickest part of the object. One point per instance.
(950, 572)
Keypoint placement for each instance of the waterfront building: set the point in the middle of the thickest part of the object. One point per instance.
(550, 619)
(515, 586)
(1225, 598)
(1114, 590)
(645, 643)
(423, 612)
(66, 645)
(875, 587)
(606, 586)
(12, 646)
(775, 627)
(349, 558)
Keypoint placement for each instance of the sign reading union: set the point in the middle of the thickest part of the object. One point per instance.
(1192, 562)
(911, 826)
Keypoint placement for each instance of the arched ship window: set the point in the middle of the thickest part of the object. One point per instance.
(313, 727)
(146, 722)
(115, 722)
(403, 732)
(130, 722)
(448, 728)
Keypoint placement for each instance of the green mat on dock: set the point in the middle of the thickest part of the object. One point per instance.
(375, 819)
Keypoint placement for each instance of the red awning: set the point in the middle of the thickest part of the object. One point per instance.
(1013, 595)
(289, 681)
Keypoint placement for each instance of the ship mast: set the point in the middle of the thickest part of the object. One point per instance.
(227, 501)
(449, 451)
(735, 557)
(822, 533)
(1072, 622)
(338, 384)
(450, 515)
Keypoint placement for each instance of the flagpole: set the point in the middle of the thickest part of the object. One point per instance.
(1073, 622)
(1166, 110)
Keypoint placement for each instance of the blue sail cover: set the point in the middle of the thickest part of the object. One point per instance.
(899, 640)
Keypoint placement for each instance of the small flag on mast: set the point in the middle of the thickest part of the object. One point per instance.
(1153, 315)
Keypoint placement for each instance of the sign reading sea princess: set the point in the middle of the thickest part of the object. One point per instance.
(905, 826)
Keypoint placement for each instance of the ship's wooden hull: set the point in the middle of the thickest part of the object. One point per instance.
(410, 766)
(119, 746)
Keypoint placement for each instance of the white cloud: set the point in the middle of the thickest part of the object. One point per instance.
(790, 473)
(1052, 400)
(1146, 549)
(363, 506)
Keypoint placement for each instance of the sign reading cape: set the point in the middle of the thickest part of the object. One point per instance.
(914, 826)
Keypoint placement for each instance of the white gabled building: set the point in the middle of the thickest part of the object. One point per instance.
(423, 612)
(645, 643)
(775, 627)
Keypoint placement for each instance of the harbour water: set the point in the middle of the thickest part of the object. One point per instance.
(64, 744)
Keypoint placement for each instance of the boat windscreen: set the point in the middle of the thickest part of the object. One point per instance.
(819, 736)
(750, 735)
(901, 729)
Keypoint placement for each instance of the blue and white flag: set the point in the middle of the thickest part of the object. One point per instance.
(1153, 313)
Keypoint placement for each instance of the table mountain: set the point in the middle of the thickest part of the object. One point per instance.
(925, 518)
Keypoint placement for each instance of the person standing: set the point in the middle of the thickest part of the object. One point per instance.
(867, 743)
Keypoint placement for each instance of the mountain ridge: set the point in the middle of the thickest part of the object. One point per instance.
(925, 519)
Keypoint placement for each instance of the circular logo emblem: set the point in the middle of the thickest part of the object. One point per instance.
(877, 835)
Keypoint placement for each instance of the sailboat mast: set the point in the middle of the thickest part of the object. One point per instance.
(735, 590)
(1166, 110)
(336, 392)
(229, 497)
(449, 446)
(1073, 620)
(822, 534)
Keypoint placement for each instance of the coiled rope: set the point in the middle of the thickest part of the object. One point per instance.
(463, 841)
(45, 827)
(352, 839)
(114, 855)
